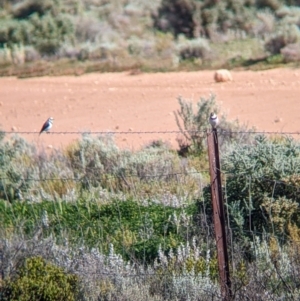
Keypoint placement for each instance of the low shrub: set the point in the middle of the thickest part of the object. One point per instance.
(110, 277)
(94, 167)
(176, 17)
(285, 35)
(98, 162)
(48, 32)
(38, 280)
(194, 126)
(16, 158)
(24, 9)
(14, 32)
(259, 192)
(190, 49)
(291, 52)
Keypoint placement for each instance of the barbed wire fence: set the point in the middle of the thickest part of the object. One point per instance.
(108, 132)
(39, 230)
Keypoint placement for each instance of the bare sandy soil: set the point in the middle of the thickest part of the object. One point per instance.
(268, 100)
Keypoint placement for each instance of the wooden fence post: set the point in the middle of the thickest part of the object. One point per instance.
(219, 215)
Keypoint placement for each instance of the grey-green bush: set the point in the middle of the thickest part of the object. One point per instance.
(262, 183)
(16, 158)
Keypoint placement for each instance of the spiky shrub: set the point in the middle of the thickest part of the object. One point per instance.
(261, 184)
(38, 280)
(195, 125)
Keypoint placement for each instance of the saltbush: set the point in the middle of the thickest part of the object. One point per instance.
(16, 157)
(94, 167)
(37, 24)
(28, 175)
(98, 162)
(261, 184)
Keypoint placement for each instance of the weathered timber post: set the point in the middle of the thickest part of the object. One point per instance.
(219, 215)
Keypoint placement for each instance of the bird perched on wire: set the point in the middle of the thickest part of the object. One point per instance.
(213, 120)
(47, 125)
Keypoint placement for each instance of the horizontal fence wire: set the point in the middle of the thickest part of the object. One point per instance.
(283, 236)
(162, 175)
(122, 176)
(149, 132)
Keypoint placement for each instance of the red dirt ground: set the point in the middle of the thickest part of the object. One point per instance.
(268, 100)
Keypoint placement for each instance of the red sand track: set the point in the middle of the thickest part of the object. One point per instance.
(269, 100)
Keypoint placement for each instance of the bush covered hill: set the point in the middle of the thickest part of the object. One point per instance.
(77, 36)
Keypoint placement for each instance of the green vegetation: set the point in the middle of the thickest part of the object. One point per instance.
(262, 184)
(136, 231)
(95, 222)
(73, 37)
(39, 280)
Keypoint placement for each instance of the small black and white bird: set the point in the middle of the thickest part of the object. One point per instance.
(47, 125)
(213, 120)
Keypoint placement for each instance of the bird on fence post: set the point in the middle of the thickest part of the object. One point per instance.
(213, 120)
(47, 125)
